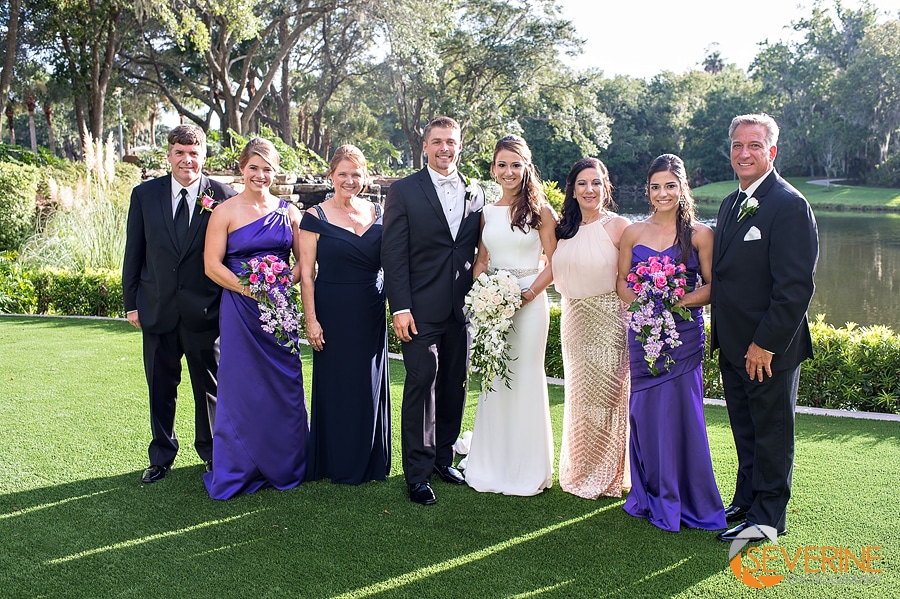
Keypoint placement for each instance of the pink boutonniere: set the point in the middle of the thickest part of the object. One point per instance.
(206, 201)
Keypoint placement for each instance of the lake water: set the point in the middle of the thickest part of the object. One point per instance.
(858, 274)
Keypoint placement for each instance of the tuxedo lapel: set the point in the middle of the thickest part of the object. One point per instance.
(196, 215)
(165, 208)
(431, 195)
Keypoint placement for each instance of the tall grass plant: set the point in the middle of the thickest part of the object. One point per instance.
(86, 230)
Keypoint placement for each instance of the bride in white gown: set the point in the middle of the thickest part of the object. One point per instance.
(511, 450)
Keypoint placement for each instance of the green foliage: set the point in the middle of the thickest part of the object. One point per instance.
(18, 190)
(22, 155)
(153, 159)
(89, 293)
(299, 160)
(87, 226)
(555, 195)
(553, 362)
(853, 368)
(886, 174)
(17, 293)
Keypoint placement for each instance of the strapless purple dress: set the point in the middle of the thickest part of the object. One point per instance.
(261, 428)
(671, 470)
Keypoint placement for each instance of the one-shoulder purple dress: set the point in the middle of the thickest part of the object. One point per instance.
(671, 470)
(261, 429)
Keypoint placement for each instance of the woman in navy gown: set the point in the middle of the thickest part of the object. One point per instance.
(671, 470)
(344, 307)
(261, 430)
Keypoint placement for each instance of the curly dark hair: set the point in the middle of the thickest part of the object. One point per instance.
(571, 216)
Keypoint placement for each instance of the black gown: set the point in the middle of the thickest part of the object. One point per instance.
(350, 425)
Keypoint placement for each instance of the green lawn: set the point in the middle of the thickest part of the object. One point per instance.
(819, 196)
(76, 522)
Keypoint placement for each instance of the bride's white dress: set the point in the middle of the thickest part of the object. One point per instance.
(511, 451)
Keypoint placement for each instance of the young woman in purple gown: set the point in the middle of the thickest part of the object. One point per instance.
(261, 428)
(671, 470)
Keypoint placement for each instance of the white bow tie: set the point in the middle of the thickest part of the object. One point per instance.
(450, 180)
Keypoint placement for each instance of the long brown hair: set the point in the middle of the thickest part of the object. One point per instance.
(686, 215)
(525, 211)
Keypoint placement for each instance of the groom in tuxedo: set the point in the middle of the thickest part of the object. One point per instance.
(168, 296)
(764, 260)
(431, 227)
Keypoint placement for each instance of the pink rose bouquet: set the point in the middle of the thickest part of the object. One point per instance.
(659, 284)
(269, 280)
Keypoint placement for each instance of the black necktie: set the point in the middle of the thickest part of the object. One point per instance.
(182, 220)
(734, 212)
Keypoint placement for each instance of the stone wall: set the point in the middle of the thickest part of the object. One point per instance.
(308, 191)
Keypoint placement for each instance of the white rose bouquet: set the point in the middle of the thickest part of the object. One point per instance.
(491, 304)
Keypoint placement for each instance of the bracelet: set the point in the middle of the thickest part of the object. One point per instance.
(244, 290)
(533, 294)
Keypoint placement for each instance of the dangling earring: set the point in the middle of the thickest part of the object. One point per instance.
(682, 201)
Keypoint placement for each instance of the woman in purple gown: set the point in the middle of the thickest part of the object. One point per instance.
(261, 430)
(344, 307)
(671, 470)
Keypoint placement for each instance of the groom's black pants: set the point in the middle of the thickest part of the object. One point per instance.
(434, 396)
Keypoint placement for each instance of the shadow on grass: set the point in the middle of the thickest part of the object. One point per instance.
(114, 536)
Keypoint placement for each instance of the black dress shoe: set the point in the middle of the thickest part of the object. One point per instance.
(746, 530)
(154, 474)
(208, 465)
(735, 513)
(421, 493)
(449, 474)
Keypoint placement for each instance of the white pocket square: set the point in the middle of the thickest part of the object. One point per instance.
(753, 234)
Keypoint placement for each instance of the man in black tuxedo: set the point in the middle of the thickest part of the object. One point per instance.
(168, 296)
(764, 260)
(431, 227)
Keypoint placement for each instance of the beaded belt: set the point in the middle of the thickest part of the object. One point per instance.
(518, 272)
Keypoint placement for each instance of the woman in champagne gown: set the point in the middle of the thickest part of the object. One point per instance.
(592, 328)
(344, 307)
(261, 430)
(511, 450)
(671, 469)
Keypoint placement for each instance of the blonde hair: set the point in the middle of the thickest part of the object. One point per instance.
(352, 154)
(263, 148)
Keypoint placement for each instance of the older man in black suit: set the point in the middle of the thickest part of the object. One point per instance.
(764, 260)
(168, 296)
(431, 228)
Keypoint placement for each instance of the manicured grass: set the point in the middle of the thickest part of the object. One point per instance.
(819, 196)
(76, 522)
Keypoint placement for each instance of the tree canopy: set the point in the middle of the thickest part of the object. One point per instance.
(373, 72)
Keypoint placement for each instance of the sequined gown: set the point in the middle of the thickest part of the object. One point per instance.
(595, 361)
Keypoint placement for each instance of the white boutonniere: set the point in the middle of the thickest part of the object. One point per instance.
(470, 186)
(206, 201)
(748, 208)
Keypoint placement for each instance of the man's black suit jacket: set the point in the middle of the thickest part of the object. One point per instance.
(160, 280)
(425, 269)
(761, 288)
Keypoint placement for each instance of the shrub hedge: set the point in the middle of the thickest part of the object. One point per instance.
(18, 190)
(854, 368)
